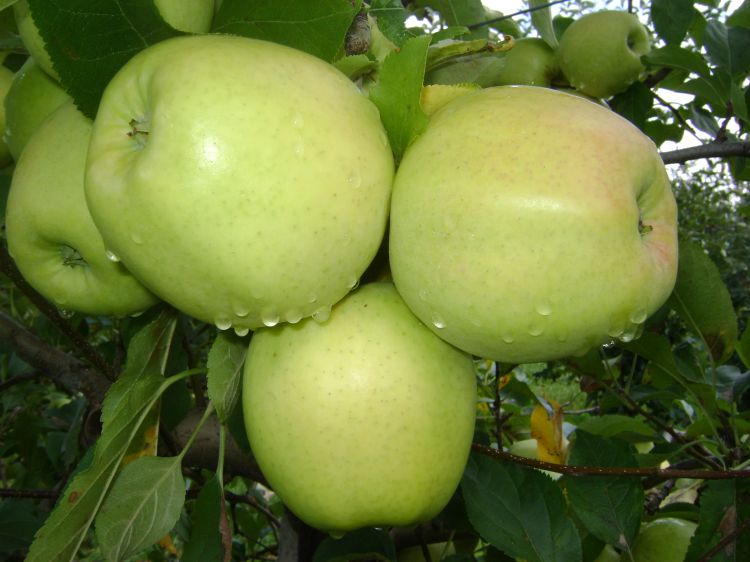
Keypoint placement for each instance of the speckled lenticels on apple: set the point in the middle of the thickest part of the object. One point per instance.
(245, 182)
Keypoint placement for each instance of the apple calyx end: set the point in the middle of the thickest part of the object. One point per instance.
(71, 257)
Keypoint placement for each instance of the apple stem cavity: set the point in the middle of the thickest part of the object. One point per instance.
(643, 228)
(71, 257)
(138, 132)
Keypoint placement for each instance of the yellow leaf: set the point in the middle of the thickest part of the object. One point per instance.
(148, 448)
(546, 428)
(167, 544)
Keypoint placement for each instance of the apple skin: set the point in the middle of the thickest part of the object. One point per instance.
(370, 400)
(608, 554)
(600, 53)
(33, 96)
(263, 208)
(663, 540)
(515, 225)
(194, 16)
(529, 62)
(6, 79)
(47, 215)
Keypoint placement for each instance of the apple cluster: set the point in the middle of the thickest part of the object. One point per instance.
(250, 186)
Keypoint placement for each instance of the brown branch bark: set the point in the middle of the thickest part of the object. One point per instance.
(711, 150)
(726, 541)
(664, 473)
(57, 365)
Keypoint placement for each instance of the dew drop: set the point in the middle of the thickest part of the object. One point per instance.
(353, 282)
(544, 307)
(354, 180)
(615, 331)
(536, 329)
(383, 138)
(66, 313)
(242, 332)
(136, 238)
(312, 297)
(298, 121)
(423, 294)
(223, 323)
(111, 256)
(507, 338)
(322, 314)
(61, 301)
(299, 147)
(293, 316)
(438, 321)
(241, 311)
(269, 318)
(562, 337)
(639, 316)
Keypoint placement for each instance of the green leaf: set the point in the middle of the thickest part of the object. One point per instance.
(390, 16)
(483, 70)
(318, 28)
(354, 66)
(724, 505)
(206, 521)
(741, 16)
(673, 56)
(702, 300)
(541, 19)
(739, 49)
(609, 507)
(658, 350)
(126, 405)
(90, 40)
(743, 347)
(672, 19)
(19, 520)
(631, 429)
(225, 362)
(519, 510)
(634, 104)
(463, 13)
(143, 505)
(364, 544)
(716, 42)
(397, 93)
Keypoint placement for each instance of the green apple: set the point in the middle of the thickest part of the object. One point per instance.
(51, 235)
(33, 96)
(600, 53)
(6, 79)
(437, 551)
(530, 61)
(261, 207)
(528, 225)
(608, 554)
(529, 448)
(193, 16)
(663, 540)
(369, 400)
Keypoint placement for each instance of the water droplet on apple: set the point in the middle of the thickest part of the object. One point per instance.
(383, 138)
(639, 316)
(61, 301)
(136, 238)
(322, 314)
(299, 147)
(354, 180)
(241, 311)
(66, 313)
(544, 307)
(293, 316)
(438, 320)
(269, 318)
(298, 121)
(312, 298)
(111, 256)
(562, 337)
(615, 331)
(241, 331)
(507, 338)
(353, 282)
(424, 294)
(536, 329)
(223, 323)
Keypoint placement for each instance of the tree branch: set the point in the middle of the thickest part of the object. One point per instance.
(663, 473)
(711, 150)
(723, 543)
(59, 366)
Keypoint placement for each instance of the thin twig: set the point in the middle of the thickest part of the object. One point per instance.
(711, 150)
(731, 537)
(664, 473)
(23, 377)
(514, 14)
